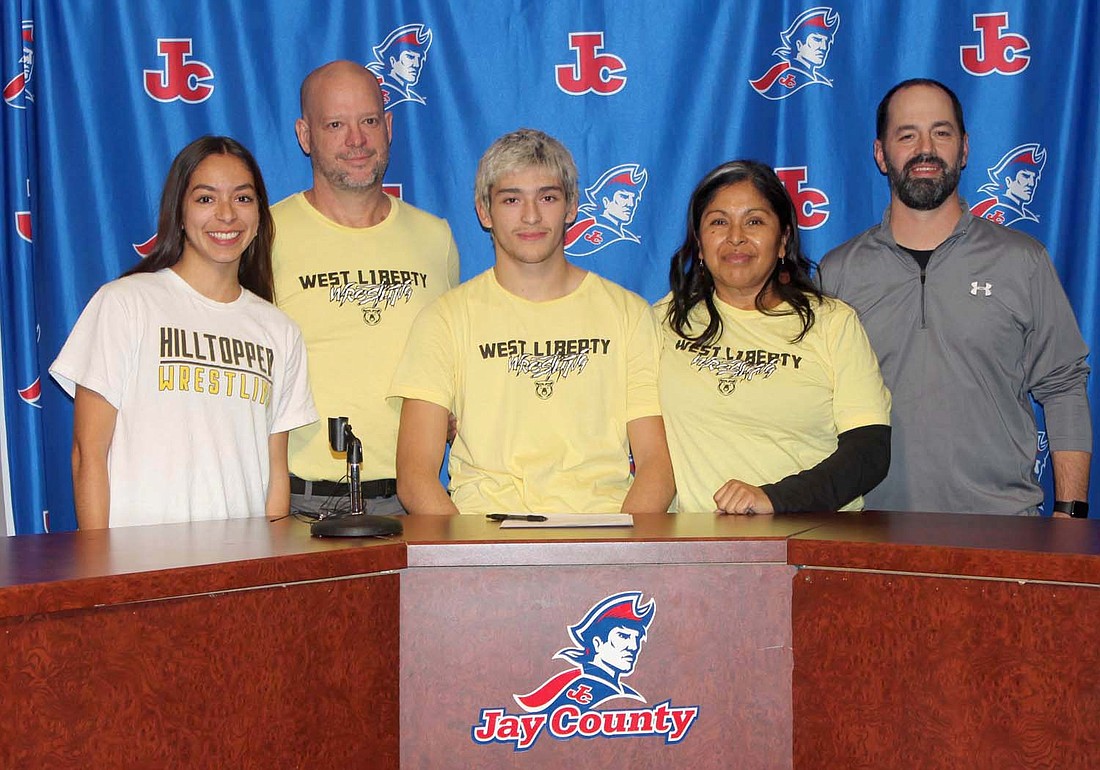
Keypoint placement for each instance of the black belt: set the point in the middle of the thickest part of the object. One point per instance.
(371, 489)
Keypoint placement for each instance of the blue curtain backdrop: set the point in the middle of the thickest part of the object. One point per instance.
(100, 94)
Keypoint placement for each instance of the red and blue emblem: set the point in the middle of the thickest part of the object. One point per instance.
(32, 393)
(17, 89)
(806, 44)
(23, 225)
(1013, 181)
(145, 248)
(610, 205)
(605, 647)
(399, 61)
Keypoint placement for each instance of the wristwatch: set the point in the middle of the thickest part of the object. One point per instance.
(1078, 509)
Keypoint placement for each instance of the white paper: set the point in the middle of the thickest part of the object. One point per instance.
(573, 520)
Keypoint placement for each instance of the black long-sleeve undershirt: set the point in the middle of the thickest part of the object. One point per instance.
(860, 462)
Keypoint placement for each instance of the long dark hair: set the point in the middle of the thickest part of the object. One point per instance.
(254, 271)
(692, 283)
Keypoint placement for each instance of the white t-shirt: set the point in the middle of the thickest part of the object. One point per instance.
(199, 386)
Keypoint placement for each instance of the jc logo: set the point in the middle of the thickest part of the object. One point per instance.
(999, 51)
(593, 71)
(182, 78)
(580, 694)
(811, 203)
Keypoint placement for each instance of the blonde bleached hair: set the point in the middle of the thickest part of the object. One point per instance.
(521, 149)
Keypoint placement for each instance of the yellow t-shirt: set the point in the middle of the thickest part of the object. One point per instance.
(542, 391)
(355, 293)
(755, 407)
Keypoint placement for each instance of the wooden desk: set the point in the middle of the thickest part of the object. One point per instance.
(209, 645)
(873, 640)
(484, 611)
(946, 641)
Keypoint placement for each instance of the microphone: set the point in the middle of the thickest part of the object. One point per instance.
(342, 439)
(355, 459)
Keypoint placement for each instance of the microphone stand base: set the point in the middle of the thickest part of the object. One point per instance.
(356, 525)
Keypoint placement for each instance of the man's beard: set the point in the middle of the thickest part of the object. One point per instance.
(924, 194)
(342, 180)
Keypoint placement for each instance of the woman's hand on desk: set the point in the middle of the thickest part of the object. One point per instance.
(740, 498)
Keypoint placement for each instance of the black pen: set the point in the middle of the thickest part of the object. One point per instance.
(515, 517)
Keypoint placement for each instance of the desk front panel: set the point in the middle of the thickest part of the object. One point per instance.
(719, 641)
(296, 675)
(908, 670)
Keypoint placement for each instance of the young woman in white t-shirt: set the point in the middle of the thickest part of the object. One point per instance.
(186, 378)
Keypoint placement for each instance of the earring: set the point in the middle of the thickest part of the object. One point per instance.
(784, 274)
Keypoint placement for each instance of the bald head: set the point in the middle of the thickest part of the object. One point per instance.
(336, 75)
(344, 129)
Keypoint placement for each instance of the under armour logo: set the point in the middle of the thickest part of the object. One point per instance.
(975, 288)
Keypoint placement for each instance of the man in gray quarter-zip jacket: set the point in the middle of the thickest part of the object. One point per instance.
(968, 319)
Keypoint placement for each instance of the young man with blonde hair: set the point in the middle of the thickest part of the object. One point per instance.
(550, 370)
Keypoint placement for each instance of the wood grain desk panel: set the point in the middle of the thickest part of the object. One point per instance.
(902, 671)
(74, 570)
(978, 667)
(1013, 547)
(215, 644)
